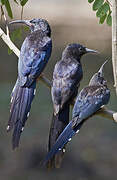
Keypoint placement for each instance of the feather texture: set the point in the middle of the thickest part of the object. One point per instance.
(34, 55)
(89, 100)
(20, 108)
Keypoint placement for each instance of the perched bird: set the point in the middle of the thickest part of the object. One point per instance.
(66, 80)
(34, 55)
(89, 100)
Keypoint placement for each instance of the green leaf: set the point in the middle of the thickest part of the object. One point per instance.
(97, 4)
(26, 28)
(2, 2)
(16, 1)
(99, 12)
(8, 8)
(90, 1)
(102, 19)
(23, 2)
(9, 51)
(103, 10)
(17, 34)
(106, 7)
(109, 19)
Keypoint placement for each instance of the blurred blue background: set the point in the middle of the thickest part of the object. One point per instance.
(92, 153)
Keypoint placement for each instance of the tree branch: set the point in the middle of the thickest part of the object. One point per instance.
(104, 112)
(114, 41)
(109, 114)
(9, 43)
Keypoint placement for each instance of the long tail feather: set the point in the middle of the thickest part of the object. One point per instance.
(62, 140)
(20, 107)
(59, 122)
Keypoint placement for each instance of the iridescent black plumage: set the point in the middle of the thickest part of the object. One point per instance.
(66, 80)
(34, 55)
(89, 100)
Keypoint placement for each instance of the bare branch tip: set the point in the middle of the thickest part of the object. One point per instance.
(115, 116)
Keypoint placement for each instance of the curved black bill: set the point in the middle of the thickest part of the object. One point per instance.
(26, 22)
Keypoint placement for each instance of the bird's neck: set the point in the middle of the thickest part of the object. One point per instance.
(36, 35)
(46, 33)
(71, 60)
(68, 57)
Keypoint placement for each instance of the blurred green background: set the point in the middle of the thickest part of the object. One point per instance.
(91, 155)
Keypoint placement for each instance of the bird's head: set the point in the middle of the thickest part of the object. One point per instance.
(36, 24)
(76, 51)
(98, 78)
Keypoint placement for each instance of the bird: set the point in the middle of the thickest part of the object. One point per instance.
(89, 101)
(66, 80)
(34, 55)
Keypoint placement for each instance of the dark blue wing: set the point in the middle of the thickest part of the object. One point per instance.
(87, 103)
(32, 61)
(34, 55)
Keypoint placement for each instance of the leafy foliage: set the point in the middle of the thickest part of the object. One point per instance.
(16, 1)
(15, 35)
(102, 8)
(23, 2)
(6, 4)
(8, 8)
(90, 1)
(103, 11)
(109, 19)
(97, 4)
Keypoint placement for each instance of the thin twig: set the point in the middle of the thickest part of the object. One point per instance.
(7, 29)
(46, 81)
(109, 114)
(102, 112)
(2, 11)
(6, 22)
(22, 8)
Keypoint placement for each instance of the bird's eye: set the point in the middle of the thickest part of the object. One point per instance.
(80, 48)
(33, 21)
